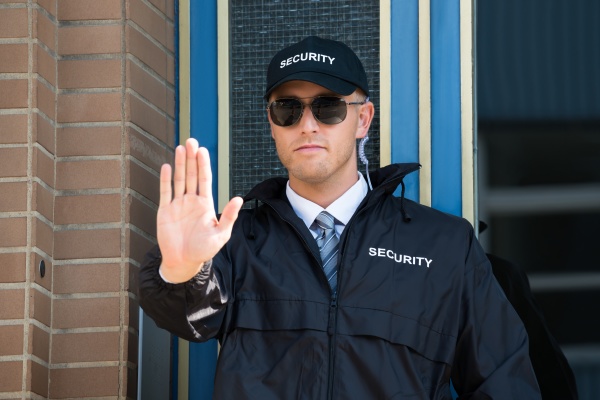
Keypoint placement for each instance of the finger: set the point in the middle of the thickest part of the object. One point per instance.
(165, 186)
(179, 175)
(204, 173)
(191, 166)
(230, 214)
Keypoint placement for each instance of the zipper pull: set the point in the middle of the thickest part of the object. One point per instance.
(332, 315)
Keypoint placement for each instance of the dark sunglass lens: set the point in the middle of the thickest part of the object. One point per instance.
(286, 112)
(329, 110)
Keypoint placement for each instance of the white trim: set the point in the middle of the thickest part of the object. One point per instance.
(385, 83)
(425, 102)
(223, 90)
(183, 356)
(468, 138)
(184, 70)
(183, 369)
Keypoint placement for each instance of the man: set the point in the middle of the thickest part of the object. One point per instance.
(328, 289)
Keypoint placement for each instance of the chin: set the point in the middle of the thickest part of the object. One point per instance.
(312, 176)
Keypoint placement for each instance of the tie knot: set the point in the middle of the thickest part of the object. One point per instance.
(325, 220)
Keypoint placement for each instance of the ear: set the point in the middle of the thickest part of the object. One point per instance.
(365, 117)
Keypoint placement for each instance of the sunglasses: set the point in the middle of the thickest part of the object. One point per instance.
(328, 110)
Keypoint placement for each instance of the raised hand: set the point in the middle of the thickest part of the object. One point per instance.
(188, 231)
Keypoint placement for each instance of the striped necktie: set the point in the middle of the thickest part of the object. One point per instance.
(328, 243)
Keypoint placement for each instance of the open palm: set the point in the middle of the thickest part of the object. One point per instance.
(188, 230)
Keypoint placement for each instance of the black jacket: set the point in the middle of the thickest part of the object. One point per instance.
(417, 305)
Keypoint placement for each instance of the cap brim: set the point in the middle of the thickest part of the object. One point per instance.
(332, 83)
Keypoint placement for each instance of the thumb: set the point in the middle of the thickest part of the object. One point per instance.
(230, 213)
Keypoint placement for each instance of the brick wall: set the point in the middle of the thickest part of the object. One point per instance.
(86, 119)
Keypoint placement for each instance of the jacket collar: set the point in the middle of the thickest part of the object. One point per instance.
(385, 180)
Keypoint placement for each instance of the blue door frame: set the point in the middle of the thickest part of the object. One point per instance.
(445, 115)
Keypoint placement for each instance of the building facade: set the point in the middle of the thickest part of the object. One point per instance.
(95, 94)
(86, 119)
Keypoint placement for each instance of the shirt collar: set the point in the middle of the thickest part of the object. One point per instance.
(342, 209)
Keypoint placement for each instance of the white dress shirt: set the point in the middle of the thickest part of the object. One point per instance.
(342, 209)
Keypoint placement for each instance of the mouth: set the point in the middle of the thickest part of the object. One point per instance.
(309, 147)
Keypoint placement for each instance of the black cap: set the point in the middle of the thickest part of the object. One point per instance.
(327, 63)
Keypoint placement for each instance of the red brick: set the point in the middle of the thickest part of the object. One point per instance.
(87, 209)
(12, 376)
(19, 93)
(147, 151)
(43, 166)
(93, 174)
(88, 141)
(13, 128)
(12, 267)
(40, 307)
(13, 304)
(71, 10)
(85, 313)
(89, 73)
(45, 99)
(48, 5)
(84, 382)
(37, 378)
(13, 232)
(149, 120)
(143, 182)
(132, 313)
(43, 132)
(43, 201)
(12, 340)
(39, 343)
(14, 196)
(13, 23)
(87, 278)
(147, 86)
(89, 39)
(43, 237)
(151, 22)
(85, 347)
(45, 64)
(44, 30)
(79, 244)
(89, 107)
(146, 51)
(13, 162)
(14, 58)
(138, 246)
(142, 216)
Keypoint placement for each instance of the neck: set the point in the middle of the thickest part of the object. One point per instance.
(323, 193)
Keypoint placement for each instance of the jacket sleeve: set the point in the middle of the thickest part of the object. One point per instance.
(192, 310)
(492, 354)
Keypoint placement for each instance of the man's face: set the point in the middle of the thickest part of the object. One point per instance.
(315, 153)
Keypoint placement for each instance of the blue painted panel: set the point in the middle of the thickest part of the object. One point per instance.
(204, 128)
(446, 190)
(203, 362)
(203, 78)
(405, 88)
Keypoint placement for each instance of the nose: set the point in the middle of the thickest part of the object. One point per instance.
(307, 122)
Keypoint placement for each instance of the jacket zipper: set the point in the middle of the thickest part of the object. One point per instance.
(332, 332)
(333, 306)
